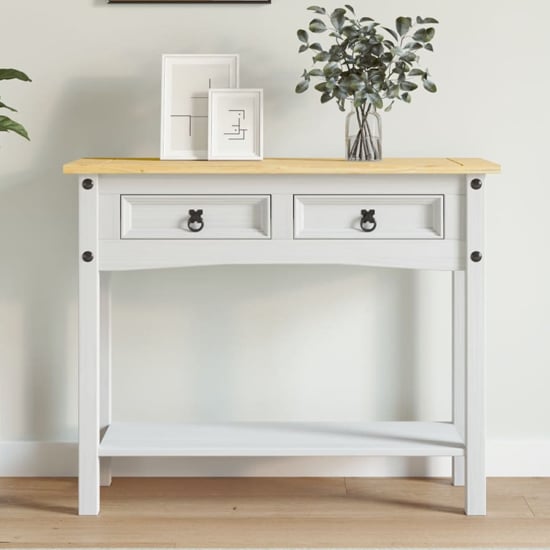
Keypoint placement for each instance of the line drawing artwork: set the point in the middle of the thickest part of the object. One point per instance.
(239, 133)
(201, 107)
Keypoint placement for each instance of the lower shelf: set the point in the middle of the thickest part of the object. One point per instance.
(282, 439)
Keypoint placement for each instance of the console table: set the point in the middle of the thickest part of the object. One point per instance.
(399, 213)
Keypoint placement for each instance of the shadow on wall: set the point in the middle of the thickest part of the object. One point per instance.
(38, 279)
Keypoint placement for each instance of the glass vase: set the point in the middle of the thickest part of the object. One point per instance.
(363, 134)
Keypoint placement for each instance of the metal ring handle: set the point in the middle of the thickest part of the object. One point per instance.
(195, 223)
(368, 223)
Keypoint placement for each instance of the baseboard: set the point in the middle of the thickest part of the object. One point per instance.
(59, 459)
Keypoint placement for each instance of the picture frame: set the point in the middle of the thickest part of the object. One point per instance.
(235, 124)
(186, 79)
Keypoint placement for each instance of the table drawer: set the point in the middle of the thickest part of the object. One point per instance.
(369, 216)
(195, 216)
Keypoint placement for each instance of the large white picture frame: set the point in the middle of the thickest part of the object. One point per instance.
(235, 124)
(186, 79)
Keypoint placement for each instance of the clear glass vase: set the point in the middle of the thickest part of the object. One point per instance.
(363, 134)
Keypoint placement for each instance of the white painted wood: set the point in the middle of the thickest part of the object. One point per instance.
(282, 216)
(109, 216)
(88, 353)
(166, 216)
(412, 254)
(254, 184)
(459, 374)
(105, 407)
(397, 216)
(475, 352)
(283, 439)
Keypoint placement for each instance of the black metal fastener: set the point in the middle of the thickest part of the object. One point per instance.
(476, 184)
(88, 256)
(87, 183)
(476, 256)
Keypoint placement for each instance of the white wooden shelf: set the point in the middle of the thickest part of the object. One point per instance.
(282, 439)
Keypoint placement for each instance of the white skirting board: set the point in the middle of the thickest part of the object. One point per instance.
(59, 459)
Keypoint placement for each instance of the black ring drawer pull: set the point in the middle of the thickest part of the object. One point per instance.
(368, 223)
(195, 223)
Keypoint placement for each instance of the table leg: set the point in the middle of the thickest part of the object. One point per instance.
(88, 354)
(459, 375)
(105, 368)
(475, 349)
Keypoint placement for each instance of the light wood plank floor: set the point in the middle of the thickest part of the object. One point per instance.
(275, 512)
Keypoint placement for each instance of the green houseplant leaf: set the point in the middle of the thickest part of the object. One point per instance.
(9, 125)
(10, 74)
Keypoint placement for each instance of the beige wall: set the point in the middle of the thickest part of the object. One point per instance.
(277, 343)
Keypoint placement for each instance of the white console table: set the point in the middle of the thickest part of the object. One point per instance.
(400, 213)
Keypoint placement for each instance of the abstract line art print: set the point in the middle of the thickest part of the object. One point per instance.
(185, 84)
(235, 125)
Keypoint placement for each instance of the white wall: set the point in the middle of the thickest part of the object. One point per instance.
(282, 342)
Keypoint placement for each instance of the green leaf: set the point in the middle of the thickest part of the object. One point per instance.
(340, 94)
(303, 48)
(389, 107)
(363, 19)
(376, 100)
(9, 125)
(317, 9)
(416, 72)
(424, 35)
(393, 91)
(322, 56)
(429, 47)
(338, 19)
(326, 97)
(350, 8)
(429, 86)
(302, 86)
(316, 47)
(413, 46)
(303, 36)
(317, 26)
(392, 32)
(409, 57)
(431, 20)
(4, 106)
(406, 97)
(10, 74)
(407, 86)
(332, 69)
(316, 72)
(403, 25)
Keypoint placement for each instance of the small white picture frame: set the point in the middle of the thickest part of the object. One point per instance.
(186, 79)
(235, 124)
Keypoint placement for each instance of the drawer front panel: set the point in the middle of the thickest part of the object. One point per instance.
(169, 217)
(396, 216)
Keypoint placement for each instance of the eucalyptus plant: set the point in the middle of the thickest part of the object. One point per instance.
(368, 65)
(7, 124)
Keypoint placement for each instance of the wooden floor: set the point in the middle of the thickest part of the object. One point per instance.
(276, 512)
